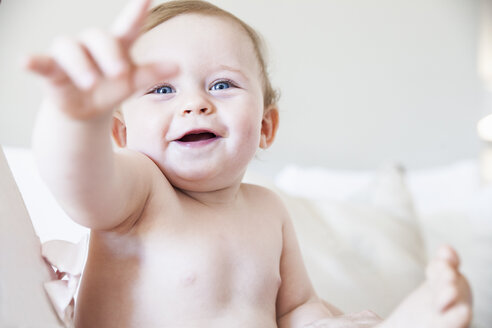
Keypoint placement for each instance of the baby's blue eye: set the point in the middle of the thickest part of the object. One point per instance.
(163, 90)
(221, 85)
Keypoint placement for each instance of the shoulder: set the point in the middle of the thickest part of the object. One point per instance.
(267, 199)
(253, 190)
(142, 183)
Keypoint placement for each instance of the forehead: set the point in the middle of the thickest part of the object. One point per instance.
(197, 39)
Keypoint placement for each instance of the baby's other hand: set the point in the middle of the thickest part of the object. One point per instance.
(444, 300)
(89, 76)
(452, 296)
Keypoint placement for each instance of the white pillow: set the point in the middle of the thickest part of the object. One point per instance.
(321, 183)
(364, 250)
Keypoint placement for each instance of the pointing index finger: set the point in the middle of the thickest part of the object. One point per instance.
(129, 22)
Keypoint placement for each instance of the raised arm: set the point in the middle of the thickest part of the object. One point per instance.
(86, 80)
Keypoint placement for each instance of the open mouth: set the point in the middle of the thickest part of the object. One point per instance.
(194, 137)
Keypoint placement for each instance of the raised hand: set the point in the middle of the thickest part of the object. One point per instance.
(90, 76)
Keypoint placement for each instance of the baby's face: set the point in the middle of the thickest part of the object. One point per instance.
(203, 125)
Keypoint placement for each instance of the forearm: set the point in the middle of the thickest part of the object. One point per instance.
(75, 158)
(306, 314)
(313, 316)
(86, 79)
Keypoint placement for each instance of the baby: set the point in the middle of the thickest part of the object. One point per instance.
(176, 239)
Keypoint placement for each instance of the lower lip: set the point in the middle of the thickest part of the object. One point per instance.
(196, 144)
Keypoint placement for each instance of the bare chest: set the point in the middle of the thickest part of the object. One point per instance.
(221, 256)
(193, 264)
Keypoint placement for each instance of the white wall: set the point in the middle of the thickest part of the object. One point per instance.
(362, 81)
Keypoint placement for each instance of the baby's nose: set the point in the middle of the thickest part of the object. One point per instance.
(203, 110)
(197, 103)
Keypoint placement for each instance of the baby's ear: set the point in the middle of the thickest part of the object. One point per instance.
(269, 126)
(119, 129)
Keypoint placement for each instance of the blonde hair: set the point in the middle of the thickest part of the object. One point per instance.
(165, 11)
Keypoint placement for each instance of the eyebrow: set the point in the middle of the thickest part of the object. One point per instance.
(232, 69)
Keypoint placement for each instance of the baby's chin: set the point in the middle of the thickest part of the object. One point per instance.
(203, 182)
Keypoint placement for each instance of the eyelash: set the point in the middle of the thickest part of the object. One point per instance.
(155, 88)
(230, 82)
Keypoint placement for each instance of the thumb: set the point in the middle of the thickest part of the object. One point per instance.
(147, 75)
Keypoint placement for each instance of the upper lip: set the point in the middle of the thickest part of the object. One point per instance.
(196, 131)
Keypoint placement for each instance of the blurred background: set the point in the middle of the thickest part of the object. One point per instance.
(362, 82)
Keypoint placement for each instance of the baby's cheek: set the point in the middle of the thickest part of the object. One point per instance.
(147, 138)
(245, 145)
(252, 135)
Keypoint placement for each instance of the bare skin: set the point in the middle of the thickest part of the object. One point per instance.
(176, 239)
(190, 265)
